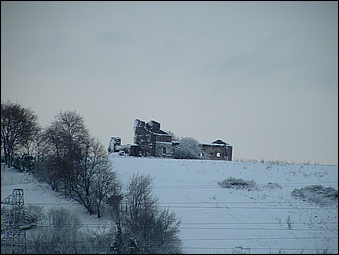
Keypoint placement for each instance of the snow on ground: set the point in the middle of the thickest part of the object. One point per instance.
(38, 193)
(219, 220)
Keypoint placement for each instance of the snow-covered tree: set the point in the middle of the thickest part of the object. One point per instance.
(188, 148)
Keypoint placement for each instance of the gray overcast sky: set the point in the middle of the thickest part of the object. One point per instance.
(262, 76)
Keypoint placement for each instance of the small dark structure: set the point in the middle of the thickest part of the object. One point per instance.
(151, 141)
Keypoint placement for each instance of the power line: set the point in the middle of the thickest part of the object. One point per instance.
(52, 244)
(219, 203)
(250, 223)
(258, 248)
(257, 229)
(208, 228)
(203, 186)
(219, 206)
(208, 223)
(215, 239)
(256, 238)
(230, 202)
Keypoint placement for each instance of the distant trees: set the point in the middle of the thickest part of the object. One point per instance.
(145, 228)
(188, 148)
(19, 128)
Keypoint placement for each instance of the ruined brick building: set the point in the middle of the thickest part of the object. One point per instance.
(151, 141)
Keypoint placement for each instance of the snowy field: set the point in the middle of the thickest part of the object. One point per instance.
(216, 220)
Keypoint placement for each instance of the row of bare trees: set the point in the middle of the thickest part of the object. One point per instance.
(71, 161)
(74, 161)
(65, 155)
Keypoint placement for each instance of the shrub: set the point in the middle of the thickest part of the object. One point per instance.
(62, 230)
(188, 148)
(273, 185)
(237, 183)
(316, 194)
(289, 222)
(22, 215)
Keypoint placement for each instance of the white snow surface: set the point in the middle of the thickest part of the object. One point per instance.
(216, 220)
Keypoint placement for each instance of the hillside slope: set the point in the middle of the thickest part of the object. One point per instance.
(265, 218)
(219, 220)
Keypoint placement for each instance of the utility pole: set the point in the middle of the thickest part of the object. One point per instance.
(14, 239)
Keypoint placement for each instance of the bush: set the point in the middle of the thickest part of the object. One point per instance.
(62, 233)
(62, 230)
(21, 215)
(237, 183)
(316, 194)
(272, 185)
(188, 148)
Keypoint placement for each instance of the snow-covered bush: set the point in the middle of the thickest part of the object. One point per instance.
(237, 183)
(188, 148)
(316, 194)
(272, 185)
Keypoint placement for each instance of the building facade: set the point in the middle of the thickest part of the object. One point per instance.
(151, 141)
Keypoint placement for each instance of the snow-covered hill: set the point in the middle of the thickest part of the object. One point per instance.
(263, 219)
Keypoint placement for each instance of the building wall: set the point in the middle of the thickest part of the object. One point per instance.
(150, 140)
(113, 143)
(214, 151)
(163, 149)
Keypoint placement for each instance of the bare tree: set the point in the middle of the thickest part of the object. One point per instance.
(19, 127)
(78, 160)
(148, 228)
(61, 234)
(106, 184)
(52, 157)
(174, 136)
(94, 179)
(66, 142)
(140, 198)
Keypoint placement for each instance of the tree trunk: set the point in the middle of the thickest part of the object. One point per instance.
(98, 208)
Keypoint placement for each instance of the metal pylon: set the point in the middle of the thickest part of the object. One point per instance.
(14, 239)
